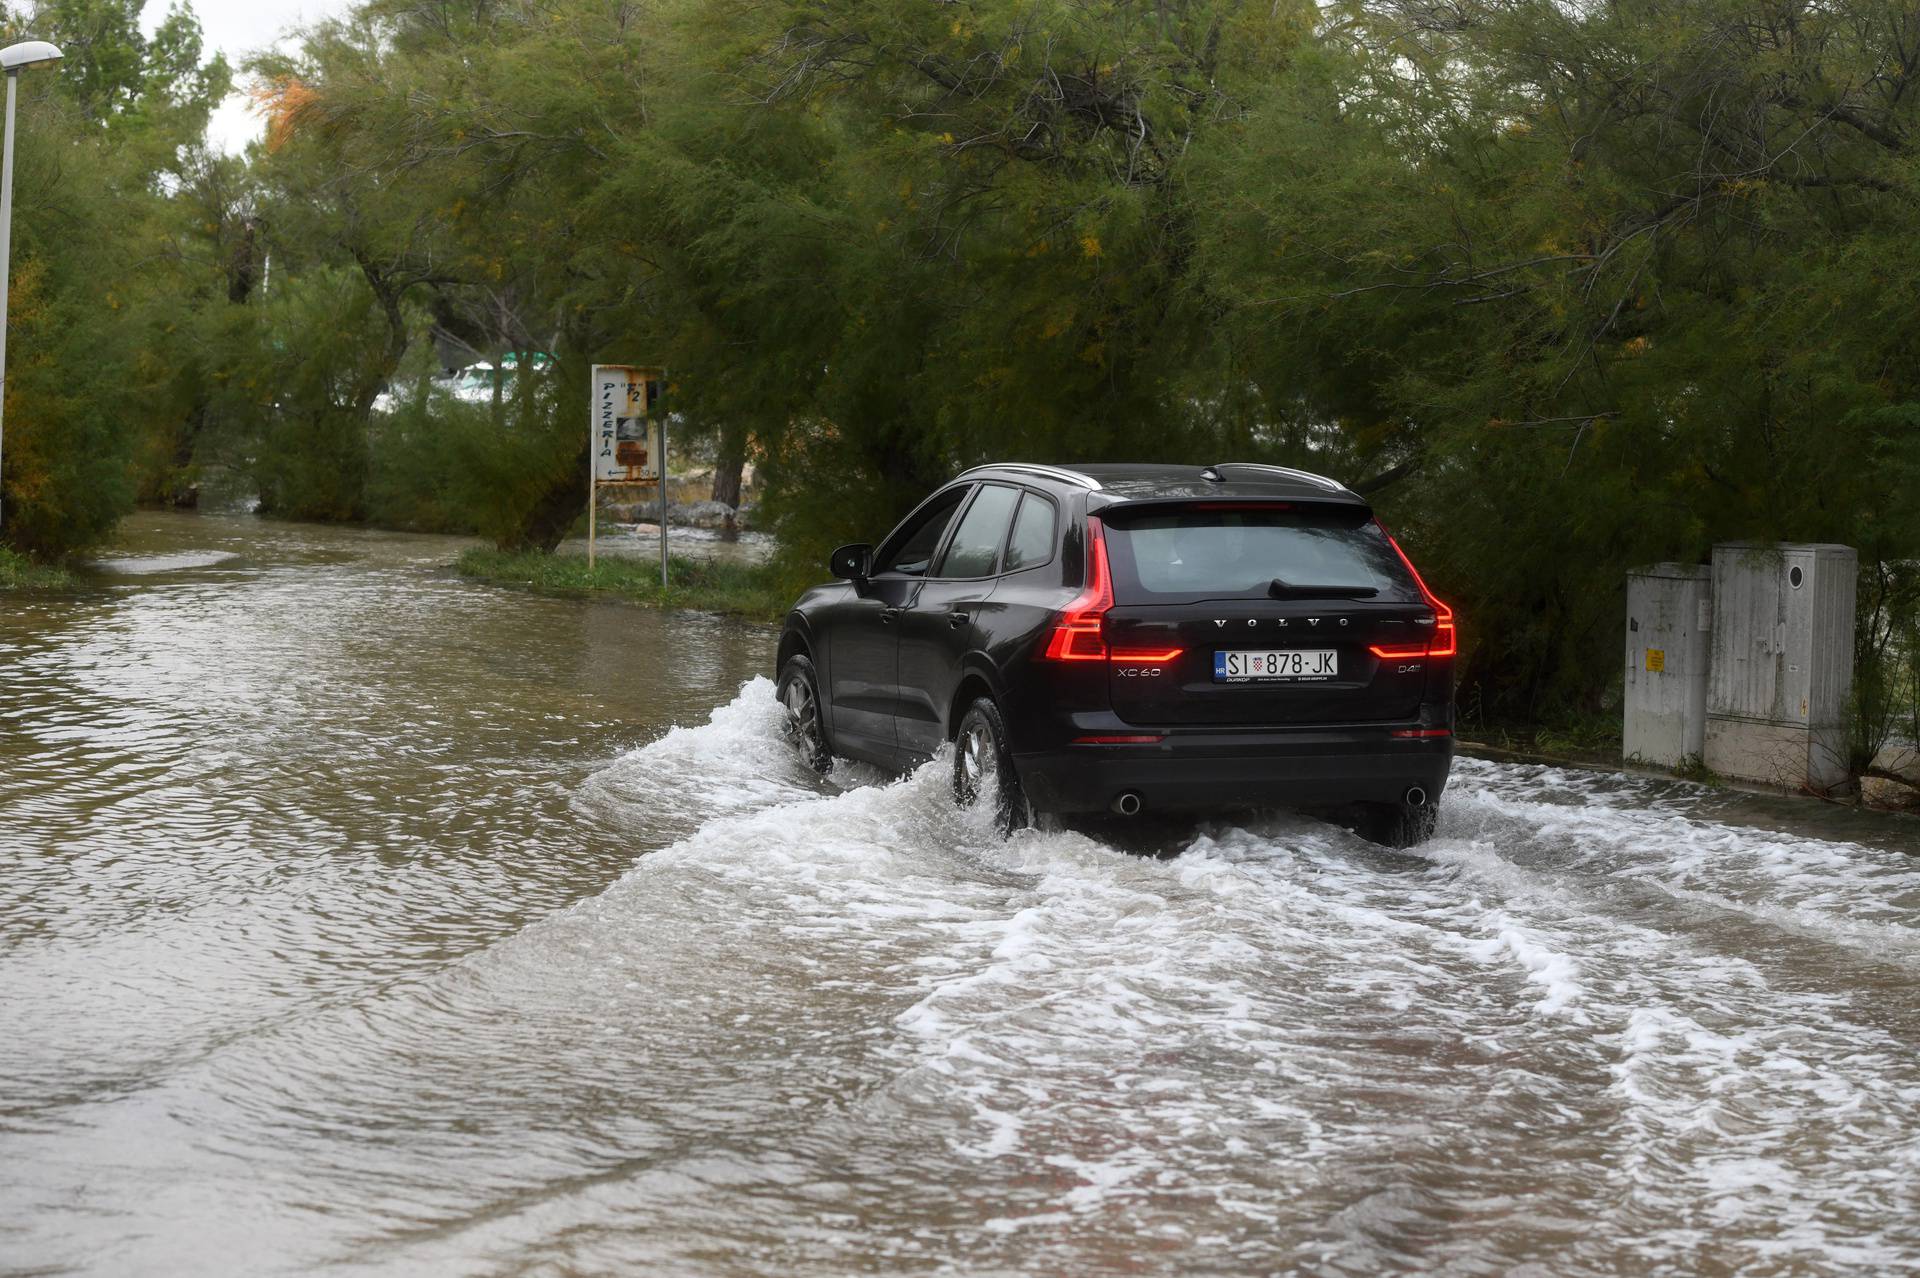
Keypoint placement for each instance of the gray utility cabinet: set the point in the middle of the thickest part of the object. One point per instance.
(1782, 663)
(1669, 616)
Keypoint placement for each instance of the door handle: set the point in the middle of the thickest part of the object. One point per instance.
(958, 619)
(887, 615)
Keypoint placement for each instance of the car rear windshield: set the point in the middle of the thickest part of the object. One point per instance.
(1203, 552)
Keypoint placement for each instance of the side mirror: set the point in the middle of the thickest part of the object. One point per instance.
(852, 563)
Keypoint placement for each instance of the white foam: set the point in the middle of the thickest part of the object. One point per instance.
(1580, 983)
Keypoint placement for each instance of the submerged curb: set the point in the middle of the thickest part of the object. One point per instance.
(1603, 763)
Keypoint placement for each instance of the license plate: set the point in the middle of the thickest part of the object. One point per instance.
(1295, 665)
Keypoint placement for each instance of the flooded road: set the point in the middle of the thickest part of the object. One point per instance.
(357, 918)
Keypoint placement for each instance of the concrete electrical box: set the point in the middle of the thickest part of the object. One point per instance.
(1669, 616)
(1782, 663)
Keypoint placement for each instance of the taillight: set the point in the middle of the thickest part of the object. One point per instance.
(1146, 656)
(1445, 640)
(1078, 634)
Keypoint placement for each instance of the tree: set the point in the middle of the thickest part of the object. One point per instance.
(1622, 280)
(99, 143)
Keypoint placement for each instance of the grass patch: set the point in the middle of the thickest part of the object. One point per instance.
(1589, 734)
(1587, 738)
(17, 572)
(742, 590)
(1694, 768)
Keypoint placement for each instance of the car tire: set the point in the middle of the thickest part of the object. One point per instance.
(1395, 825)
(982, 761)
(805, 726)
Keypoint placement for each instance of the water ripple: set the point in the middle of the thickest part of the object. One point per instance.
(354, 916)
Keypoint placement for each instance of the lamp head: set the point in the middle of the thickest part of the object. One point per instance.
(27, 53)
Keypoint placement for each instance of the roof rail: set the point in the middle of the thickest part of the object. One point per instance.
(1051, 472)
(1319, 481)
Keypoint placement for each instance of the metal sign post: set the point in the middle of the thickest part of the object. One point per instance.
(626, 443)
(593, 504)
(663, 503)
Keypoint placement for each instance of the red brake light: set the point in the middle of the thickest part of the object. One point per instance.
(1242, 505)
(1078, 634)
(1146, 656)
(1421, 733)
(1445, 641)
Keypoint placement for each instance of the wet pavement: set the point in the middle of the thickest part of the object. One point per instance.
(355, 917)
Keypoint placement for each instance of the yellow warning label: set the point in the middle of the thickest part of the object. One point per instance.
(1656, 659)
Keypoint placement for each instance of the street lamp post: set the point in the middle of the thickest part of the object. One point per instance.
(12, 58)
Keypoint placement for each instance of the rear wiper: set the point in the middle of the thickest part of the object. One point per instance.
(1287, 590)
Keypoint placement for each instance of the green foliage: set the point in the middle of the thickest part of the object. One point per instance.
(325, 341)
(17, 572)
(441, 465)
(1886, 662)
(1622, 281)
(1592, 735)
(67, 445)
(1567, 288)
(105, 66)
(101, 138)
(1694, 768)
(707, 585)
(989, 208)
(67, 448)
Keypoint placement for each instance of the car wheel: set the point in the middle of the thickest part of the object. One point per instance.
(799, 693)
(983, 765)
(1395, 825)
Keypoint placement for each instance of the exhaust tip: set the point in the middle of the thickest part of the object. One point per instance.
(1416, 797)
(1127, 804)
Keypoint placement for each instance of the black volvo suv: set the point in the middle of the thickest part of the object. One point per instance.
(1135, 638)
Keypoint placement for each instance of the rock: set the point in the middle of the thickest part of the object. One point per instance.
(1899, 759)
(699, 514)
(704, 514)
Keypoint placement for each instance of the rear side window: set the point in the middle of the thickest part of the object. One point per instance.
(975, 548)
(910, 549)
(1217, 554)
(1032, 540)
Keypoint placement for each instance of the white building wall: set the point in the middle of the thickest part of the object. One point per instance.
(1782, 663)
(1669, 617)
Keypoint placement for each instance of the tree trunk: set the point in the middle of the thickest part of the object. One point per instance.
(242, 264)
(547, 523)
(726, 474)
(727, 468)
(180, 493)
(374, 380)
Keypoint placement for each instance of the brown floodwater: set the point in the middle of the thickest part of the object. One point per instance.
(358, 918)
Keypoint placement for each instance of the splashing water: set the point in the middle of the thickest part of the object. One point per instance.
(808, 1025)
(852, 1023)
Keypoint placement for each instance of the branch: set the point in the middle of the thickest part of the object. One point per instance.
(1391, 475)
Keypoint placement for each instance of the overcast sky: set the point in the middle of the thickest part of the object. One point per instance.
(237, 28)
